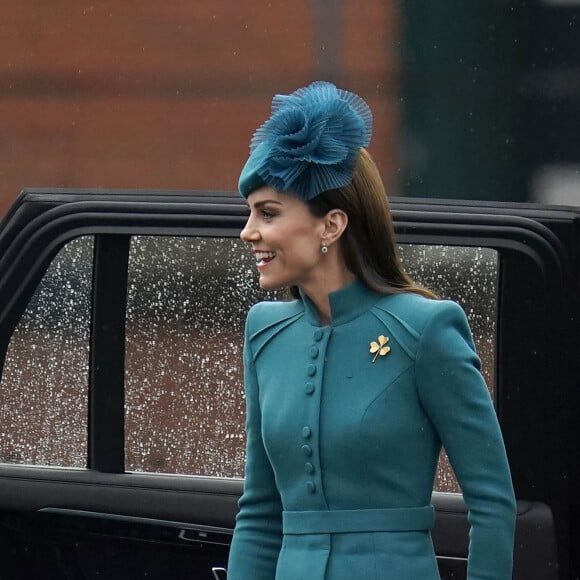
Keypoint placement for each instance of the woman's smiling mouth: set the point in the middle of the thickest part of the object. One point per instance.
(263, 258)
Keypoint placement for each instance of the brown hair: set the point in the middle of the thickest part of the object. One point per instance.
(368, 242)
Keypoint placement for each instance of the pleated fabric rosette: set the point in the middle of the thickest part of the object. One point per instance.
(310, 143)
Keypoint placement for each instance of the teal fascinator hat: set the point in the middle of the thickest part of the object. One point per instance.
(310, 143)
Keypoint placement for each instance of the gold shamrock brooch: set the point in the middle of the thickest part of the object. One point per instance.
(380, 348)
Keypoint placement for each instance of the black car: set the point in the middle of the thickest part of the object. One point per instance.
(121, 393)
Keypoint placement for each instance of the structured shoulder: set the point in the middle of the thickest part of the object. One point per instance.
(265, 314)
(266, 319)
(416, 311)
(408, 315)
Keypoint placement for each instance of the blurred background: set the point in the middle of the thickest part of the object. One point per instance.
(476, 100)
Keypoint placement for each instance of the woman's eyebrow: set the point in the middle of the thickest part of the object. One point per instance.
(261, 203)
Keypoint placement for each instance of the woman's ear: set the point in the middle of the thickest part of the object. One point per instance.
(335, 222)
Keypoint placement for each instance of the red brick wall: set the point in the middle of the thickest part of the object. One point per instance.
(143, 94)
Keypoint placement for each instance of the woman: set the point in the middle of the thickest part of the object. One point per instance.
(352, 388)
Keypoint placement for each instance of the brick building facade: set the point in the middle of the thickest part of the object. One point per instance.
(144, 94)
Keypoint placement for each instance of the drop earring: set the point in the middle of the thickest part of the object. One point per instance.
(324, 249)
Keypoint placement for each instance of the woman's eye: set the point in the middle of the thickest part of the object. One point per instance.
(267, 214)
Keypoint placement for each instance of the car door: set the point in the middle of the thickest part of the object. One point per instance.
(121, 396)
(92, 483)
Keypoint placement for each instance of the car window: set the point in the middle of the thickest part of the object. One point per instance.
(186, 305)
(470, 277)
(187, 301)
(44, 386)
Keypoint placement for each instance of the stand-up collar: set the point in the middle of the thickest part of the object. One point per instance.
(345, 304)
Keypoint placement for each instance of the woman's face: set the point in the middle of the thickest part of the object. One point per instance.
(286, 239)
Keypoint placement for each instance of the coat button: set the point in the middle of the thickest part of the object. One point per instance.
(318, 334)
(307, 450)
(311, 370)
(309, 468)
(306, 432)
(309, 388)
(314, 352)
(310, 486)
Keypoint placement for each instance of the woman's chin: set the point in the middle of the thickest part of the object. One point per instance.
(268, 284)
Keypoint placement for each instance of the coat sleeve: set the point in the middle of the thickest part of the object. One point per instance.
(455, 397)
(258, 532)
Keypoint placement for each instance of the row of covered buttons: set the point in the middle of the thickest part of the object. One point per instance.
(310, 388)
(311, 368)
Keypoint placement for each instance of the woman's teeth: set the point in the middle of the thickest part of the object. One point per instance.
(264, 257)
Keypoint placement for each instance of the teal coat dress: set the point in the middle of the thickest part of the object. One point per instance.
(342, 451)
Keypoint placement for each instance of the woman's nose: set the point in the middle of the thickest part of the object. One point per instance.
(249, 233)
